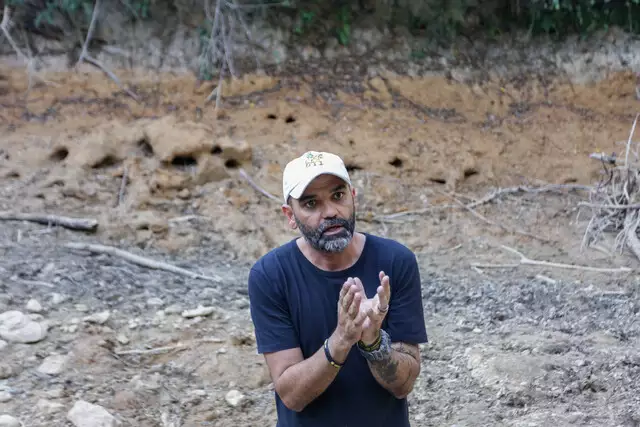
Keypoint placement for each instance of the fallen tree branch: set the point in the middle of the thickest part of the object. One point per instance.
(252, 183)
(486, 199)
(495, 224)
(82, 224)
(152, 351)
(528, 261)
(113, 77)
(139, 260)
(92, 26)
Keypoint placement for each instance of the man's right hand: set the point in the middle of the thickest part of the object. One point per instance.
(350, 320)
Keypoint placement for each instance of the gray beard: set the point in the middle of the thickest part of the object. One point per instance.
(333, 243)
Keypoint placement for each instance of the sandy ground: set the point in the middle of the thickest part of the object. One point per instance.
(171, 179)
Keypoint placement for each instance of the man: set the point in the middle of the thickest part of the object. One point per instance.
(338, 314)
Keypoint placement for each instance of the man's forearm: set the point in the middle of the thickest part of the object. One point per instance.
(303, 382)
(399, 371)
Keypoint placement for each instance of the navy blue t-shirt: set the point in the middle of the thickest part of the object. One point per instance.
(294, 304)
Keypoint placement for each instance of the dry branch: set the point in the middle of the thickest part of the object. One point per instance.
(615, 202)
(82, 224)
(256, 186)
(528, 261)
(139, 260)
(152, 351)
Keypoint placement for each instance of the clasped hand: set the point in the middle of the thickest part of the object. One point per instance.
(359, 318)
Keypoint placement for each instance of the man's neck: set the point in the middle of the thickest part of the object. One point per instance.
(334, 261)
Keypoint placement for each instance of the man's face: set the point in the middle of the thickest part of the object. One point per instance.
(326, 214)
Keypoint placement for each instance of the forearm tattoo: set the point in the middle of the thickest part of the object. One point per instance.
(388, 369)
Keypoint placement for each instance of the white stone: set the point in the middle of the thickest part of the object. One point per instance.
(5, 396)
(48, 407)
(100, 318)
(199, 311)
(234, 397)
(34, 306)
(85, 414)
(16, 327)
(53, 365)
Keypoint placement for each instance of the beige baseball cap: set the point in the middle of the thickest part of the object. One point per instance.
(300, 171)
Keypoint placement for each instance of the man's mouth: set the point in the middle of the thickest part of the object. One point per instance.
(333, 229)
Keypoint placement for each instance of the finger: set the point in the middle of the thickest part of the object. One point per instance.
(348, 299)
(344, 290)
(362, 316)
(381, 275)
(354, 309)
(359, 284)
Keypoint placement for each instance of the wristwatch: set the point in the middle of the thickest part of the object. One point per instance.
(382, 352)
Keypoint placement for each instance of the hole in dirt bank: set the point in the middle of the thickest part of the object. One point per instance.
(216, 149)
(13, 174)
(59, 154)
(438, 180)
(184, 161)
(352, 167)
(106, 162)
(145, 147)
(290, 119)
(396, 162)
(272, 117)
(470, 172)
(351, 142)
(232, 164)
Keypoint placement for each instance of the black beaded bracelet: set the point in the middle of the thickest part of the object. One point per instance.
(327, 353)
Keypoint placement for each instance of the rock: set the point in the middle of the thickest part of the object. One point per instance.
(33, 306)
(155, 302)
(85, 414)
(5, 396)
(199, 311)
(3, 344)
(100, 318)
(16, 327)
(53, 365)
(6, 371)
(48, 407)
(9, 421)
(234, 397)
(57, 298)
(122, 339)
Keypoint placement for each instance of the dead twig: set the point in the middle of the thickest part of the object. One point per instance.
(253, 184)
(139, 260)
(152, 351)
(495, 224)
(92, 26)
(81, 224)
(528, 261)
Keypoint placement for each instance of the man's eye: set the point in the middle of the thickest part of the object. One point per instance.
(310, 204)
(338, 195)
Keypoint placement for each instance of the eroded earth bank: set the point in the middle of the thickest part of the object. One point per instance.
(171, 179)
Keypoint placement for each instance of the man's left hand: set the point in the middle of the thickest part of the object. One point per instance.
(376, 309)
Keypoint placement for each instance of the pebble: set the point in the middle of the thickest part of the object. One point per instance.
(53, 365)
(16, 327)
(5, 396)
(234, 397)
(85, 414)
(99, 318)
(34, 306)
(155, 302)
(199, 311)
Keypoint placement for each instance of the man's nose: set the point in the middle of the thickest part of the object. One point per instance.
(330, 210)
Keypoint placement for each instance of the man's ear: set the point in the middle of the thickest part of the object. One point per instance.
(288, 212)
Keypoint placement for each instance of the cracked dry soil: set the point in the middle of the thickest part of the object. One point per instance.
(521, 346)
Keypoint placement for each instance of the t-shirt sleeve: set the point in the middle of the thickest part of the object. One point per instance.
(274, 329)
(405, 319)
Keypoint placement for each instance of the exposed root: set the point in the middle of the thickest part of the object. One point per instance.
(615, 203)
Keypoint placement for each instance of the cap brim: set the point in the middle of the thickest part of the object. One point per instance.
(297, 191)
